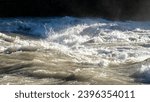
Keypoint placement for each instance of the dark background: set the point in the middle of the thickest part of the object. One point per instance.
(111, 9)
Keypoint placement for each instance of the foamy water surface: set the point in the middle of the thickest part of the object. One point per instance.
(71, 50)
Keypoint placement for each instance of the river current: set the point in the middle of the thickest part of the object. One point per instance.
(74, 51)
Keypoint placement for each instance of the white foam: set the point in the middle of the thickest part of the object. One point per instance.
(95, 41)
(99, 32)
(145, 69)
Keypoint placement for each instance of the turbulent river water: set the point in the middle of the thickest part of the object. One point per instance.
(68, 50)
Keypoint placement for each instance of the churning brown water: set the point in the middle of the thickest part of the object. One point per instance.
(74, 51)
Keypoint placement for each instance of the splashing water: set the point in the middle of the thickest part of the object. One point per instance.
(71, 50)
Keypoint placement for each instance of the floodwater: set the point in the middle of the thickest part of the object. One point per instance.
(74, 51)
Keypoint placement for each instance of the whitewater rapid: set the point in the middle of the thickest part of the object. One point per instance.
(96, 50)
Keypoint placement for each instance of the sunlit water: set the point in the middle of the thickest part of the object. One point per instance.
(74, 51)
